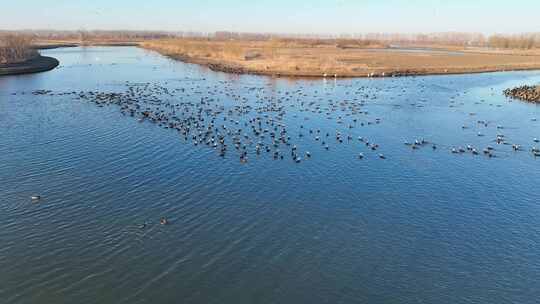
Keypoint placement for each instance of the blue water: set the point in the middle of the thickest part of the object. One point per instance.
(421, 226)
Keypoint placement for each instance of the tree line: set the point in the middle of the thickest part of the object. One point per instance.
(523, 41)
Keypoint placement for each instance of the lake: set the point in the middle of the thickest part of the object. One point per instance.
(342, 225)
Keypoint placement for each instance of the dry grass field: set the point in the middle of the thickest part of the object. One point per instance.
(314, 57)
(308, 59)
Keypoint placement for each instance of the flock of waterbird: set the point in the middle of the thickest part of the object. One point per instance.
(253, 120)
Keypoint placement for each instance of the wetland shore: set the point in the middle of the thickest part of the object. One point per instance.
(33, 65)
(302, 60)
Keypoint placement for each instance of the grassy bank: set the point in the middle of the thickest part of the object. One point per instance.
(309, 59)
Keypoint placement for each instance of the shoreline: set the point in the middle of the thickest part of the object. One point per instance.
(34, 65)
(55, 45)
(366, 64)
(224, 67)
(45, 63)
(239, 70)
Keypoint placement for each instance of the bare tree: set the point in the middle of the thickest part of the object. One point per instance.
(16, 48)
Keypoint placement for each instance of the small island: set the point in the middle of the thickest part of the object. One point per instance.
(18, 56)
(525, 93)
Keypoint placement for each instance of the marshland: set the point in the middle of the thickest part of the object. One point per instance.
(371, 55)
(243, 167)
(347, 57)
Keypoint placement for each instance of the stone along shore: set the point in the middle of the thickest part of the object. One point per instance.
(526, 93)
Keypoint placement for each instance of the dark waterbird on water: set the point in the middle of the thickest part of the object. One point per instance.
(261, 120)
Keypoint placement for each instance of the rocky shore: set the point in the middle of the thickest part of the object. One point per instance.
(526, 93)
(34, 65)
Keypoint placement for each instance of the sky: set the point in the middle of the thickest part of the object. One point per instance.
(275, 16)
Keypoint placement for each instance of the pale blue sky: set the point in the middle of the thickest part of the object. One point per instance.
(283, 16)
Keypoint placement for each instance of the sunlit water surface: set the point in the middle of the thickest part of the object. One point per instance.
(421, 226)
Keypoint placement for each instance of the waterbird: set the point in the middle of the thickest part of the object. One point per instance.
(256, 127)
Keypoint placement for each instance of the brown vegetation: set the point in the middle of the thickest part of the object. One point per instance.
(449, 39)
(340, 57)
(523, 41)
(376, 54)
(16, 48)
